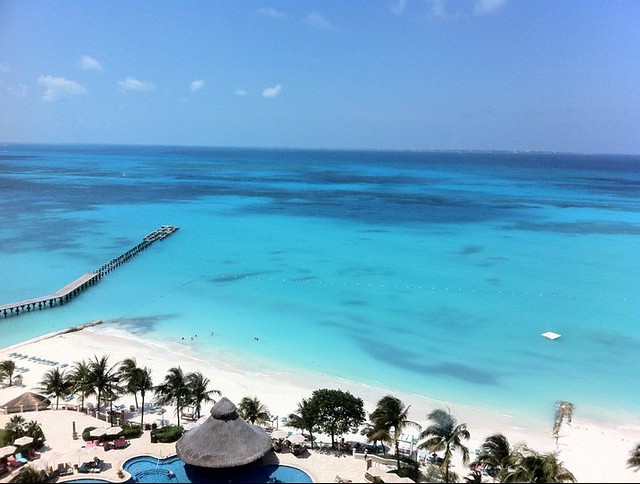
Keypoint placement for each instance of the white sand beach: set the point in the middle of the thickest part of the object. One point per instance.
(593, 451)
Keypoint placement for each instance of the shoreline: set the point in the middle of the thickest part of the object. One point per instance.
(583, 445)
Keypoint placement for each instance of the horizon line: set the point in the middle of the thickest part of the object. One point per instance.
(294, 148)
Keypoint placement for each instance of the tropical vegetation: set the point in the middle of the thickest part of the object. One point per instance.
(7, 367)
(252, 410)
(335, 412)
(18, 427)
(445, 434)
(506, 463)
(30, 474)
(55, 384)
(634, 458)
(527, 465)
(388, 422)
(305, 418)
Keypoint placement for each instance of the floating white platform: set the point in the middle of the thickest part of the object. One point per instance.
(551, 335)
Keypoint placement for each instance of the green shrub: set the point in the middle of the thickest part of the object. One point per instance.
(85, 434)
(168, 434)
(3, 438)
(131, 431)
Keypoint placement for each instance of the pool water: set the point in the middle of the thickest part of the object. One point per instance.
(173, 470)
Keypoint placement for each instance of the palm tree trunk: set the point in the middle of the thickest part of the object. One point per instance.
(142, 416)
(57, 400)
(178, 410)
(446, 469)
(398, 454)
(135, 396)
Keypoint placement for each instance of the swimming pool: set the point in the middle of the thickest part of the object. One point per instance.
(87, 481)
(173, 470)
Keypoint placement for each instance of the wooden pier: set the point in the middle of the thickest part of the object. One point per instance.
(71, 290)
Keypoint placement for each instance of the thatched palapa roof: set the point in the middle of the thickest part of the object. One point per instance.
(26, 402)
(223, 440)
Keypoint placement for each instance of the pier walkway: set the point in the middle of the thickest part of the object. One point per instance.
(74, 288)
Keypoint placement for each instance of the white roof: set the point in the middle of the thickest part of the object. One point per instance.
(551, 335)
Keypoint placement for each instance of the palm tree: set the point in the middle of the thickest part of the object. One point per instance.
(198, 392)
(143, 384)
(7, 367)
(391, 413)
(127, 373)
(375, 435)
(81, 380)
(173, 389)
(530, 466)
(30, 474)
(15, 427)
(252, 410)
(102, 377)
(496, 452)
(55, 383)
(634, 458)
(445, 434)
(306, 418)
(34, 429)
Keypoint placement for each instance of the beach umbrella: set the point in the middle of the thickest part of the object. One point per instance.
(23, 441)
(224, 440)
(297, 439)
(113, 430)
(279, 434)
(7, 450)
(98, 432)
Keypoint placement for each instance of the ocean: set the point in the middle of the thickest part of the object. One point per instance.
(430, 273)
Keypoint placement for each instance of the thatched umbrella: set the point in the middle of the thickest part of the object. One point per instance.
(223, 440)
(27, 402)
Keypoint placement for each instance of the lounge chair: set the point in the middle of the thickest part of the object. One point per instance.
(22, 459)
(13, 463)
(120, 443)
(340, 479)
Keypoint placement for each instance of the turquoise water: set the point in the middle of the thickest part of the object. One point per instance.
(151, 469)
(429, 273)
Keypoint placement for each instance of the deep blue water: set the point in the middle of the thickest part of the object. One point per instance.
(428, 272)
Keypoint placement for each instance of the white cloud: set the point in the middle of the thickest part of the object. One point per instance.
(59, 87)
(272, 91)
(240, 92)
(314, 19)
(487, 6)
(398, 6)
(133, 84)
(197, 85)
(270, 12)
(88, 63)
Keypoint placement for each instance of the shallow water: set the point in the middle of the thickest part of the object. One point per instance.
(430, 273)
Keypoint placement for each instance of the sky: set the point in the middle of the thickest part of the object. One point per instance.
(550, 75)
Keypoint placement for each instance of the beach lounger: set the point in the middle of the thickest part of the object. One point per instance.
(120, 443)
(20, 458)
(11, 460)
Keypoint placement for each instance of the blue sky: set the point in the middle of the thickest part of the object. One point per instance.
(559, 75)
